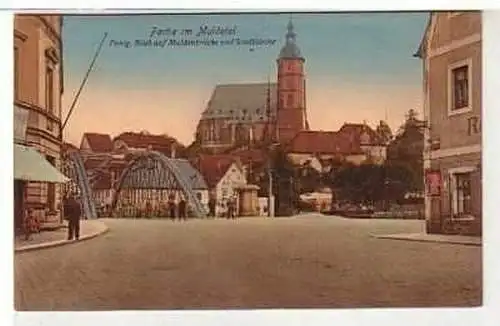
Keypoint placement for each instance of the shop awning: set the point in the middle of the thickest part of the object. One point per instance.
(30, 165)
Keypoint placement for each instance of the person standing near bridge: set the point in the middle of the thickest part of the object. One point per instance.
(182, 210)
(171, 208)
(73, 212)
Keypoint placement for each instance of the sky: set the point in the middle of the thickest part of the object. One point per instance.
(359, 67)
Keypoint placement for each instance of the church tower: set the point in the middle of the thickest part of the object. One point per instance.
(291, 113)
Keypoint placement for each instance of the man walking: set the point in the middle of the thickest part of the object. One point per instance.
(211, 207)
(73, 212)
(182, 210)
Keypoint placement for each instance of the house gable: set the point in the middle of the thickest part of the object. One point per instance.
(451, 28)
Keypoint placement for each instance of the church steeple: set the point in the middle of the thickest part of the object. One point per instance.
(291, 113)
(290, 35)
(290, 50)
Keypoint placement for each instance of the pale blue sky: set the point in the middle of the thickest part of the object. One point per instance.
(350, 58)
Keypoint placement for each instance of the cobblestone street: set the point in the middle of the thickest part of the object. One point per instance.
(301, 262)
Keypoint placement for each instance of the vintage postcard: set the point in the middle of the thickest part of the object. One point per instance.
(247, 160)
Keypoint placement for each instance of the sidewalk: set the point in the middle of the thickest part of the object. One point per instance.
(47, 239)
(437, 238)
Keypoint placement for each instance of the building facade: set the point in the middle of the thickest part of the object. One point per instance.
(451, 55)
(224, 175)
(38, 87)
(237, 115)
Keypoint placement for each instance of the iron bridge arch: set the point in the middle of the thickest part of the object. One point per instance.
(72, 166)
(153, 171)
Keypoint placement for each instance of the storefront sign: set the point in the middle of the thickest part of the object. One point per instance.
(433, 182)
(20, 124)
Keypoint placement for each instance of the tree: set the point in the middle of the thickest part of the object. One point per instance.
(285, 185)
(384, 131)
(371, 183)
(309, 178)
(406, 150)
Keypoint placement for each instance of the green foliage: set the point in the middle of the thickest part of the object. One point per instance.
(370, 183)
(384, 131)
(406, 150)
(286, 184)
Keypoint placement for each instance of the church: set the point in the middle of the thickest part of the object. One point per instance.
(246, 114)
(239, 114)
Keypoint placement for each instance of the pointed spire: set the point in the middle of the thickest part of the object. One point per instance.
(290, 49)
(290, 35)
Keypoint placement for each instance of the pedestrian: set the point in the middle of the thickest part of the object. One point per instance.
(211, 207)
(234, 212)
(149, 209)
(182, 210)
(73, 212)
(29, 224)
(171, 209)
(230, 209)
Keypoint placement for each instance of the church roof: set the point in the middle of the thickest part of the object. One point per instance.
(241, 102)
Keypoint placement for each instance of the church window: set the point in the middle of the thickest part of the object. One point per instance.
(290, 100)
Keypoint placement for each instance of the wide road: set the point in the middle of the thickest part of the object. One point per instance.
(300, 262)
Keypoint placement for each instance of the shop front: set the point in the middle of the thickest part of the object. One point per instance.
(454, 191)
(30, 166)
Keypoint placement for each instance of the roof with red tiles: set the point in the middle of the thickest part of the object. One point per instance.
(323, 142)
(98, 143)
(355, 132)
(214, 167)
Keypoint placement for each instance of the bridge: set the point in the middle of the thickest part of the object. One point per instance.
(149, 176)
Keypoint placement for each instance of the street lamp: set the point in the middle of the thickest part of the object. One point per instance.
(270, 202)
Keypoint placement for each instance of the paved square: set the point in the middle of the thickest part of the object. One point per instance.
(300, 262)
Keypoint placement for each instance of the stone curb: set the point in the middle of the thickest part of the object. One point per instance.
(457, 242)
(59, 243)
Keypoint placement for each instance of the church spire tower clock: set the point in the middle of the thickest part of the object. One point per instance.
(291, 115)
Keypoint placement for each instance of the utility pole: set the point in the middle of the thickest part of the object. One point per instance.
(270, 204)
(75, 100)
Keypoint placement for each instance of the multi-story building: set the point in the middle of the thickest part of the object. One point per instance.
(38, 87)
(451, 55)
